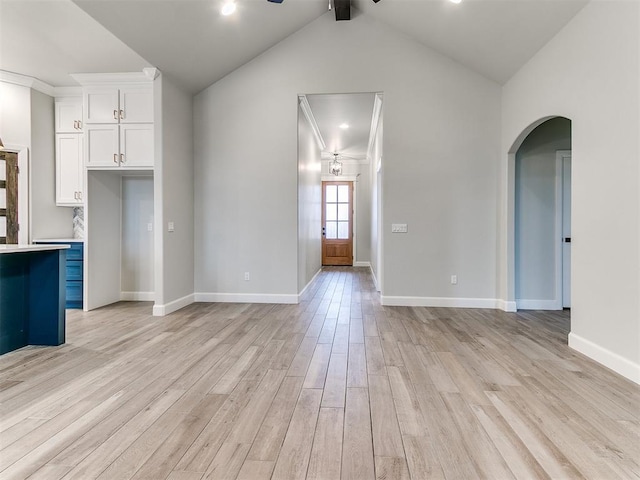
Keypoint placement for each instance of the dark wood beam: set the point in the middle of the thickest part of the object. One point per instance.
(343, 9)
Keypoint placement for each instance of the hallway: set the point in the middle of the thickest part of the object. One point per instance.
(335, 387)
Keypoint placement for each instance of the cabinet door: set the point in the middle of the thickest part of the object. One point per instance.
(101, 146)
(136, 105)
(69, 174)
(136, 145)
(101, 105)
(69, 115)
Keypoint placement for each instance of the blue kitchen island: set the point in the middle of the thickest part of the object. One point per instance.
(32, 295)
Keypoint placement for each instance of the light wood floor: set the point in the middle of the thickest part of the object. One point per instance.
(336, 387)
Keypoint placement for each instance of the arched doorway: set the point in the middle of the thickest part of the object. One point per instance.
(539, 214)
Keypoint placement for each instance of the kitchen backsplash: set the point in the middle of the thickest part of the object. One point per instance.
(78, 222)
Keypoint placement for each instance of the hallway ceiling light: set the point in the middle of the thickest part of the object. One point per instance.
(455, 1)
(335, 167)
(344, 126)
(228, 8)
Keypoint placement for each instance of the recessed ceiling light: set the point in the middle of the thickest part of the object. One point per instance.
(455, 1)
(228, 8)
(344, 126)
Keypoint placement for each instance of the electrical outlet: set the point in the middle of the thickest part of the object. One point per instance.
(247, 276)
(454, 279)
(149, 227)
(171, 227)
(398, 228)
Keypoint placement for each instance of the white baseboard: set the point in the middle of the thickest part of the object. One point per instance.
(137, 296)
(609, 359)
(362, 264)
(304, 290)
(526, 304)
(166, 309)
(246, 298)
(507, 306)
(439, 302)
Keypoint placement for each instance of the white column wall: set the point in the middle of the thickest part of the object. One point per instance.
(590, 73)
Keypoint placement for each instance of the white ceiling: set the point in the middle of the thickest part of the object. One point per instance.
(493, 37)
(331, 111)
(189, 41)
(192, 43)
(50, 39)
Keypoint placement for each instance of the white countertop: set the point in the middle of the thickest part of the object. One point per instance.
(59, 240)
(30, 248)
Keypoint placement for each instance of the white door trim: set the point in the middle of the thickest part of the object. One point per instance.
(560, 156)
(24, 189)
(354, 204)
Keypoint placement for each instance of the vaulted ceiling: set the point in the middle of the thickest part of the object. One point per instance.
(193, 44)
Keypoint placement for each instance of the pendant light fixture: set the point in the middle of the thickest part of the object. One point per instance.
(335, 167)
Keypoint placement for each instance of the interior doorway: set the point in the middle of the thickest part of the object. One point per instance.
(337, 223)
(8, 198)
(542, 217)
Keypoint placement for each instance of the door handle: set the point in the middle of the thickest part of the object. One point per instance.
(567, 239)
(323, 231)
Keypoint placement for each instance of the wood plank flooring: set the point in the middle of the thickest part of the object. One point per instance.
(337, 387)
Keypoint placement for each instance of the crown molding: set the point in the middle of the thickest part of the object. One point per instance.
(375, 120)
(67, 91)
(147, 75)
(27, 81)
(306, 109)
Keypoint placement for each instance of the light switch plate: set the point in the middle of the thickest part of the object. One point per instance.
(398, 228)
(171, 227)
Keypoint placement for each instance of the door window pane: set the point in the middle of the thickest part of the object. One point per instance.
(331, 195)
(343, 230)
(3, 198)
(343, 211)
(331, 212)
(3, 226)
(3, 169)
(343, 193)
(332, 230)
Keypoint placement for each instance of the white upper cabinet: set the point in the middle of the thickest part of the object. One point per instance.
(136, 105)
(68, 113)
(126, 104)
(69, 172)
(119, 146)
(102, 148)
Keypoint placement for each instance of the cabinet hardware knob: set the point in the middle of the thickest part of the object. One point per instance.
(75, 124)
(75, 195)
(79, 195)
(121, 114)
(115, 158)
(79, 124)
(122, 157)
(115, 114)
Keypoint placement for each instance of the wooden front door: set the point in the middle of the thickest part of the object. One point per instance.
(8, 198)
(337, 223)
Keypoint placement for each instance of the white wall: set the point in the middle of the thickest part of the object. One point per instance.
(441, 151)
(376, 202)
(590, 74)
(309, 204)
(47, 219)
(137, 240)
(26, 120)
(174, 178)
(103, 238)
(535, 212)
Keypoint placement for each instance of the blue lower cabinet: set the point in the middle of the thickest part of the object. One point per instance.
(74, 270)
